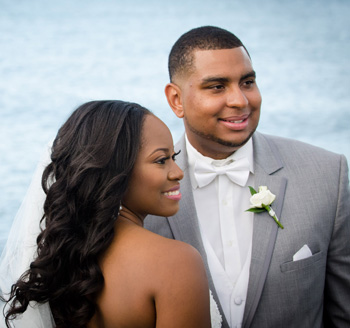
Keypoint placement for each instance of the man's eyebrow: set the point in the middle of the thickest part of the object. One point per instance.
(248, 75)
(219, 79)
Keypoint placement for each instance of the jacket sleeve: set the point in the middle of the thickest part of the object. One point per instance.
(337, 284)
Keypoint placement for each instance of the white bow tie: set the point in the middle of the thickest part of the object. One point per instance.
(238, 172)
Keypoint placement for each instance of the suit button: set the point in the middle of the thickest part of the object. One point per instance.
(238, 301)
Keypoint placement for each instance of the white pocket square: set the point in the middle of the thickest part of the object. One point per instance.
(302, 253)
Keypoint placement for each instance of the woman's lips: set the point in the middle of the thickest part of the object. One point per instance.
(173, 193)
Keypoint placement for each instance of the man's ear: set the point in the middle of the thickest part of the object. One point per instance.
(173, 95)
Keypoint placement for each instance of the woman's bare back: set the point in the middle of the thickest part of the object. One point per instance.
(151, 281)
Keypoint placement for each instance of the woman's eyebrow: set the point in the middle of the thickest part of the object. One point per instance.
(166, 150)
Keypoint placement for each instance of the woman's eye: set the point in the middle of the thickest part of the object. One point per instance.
(162, 160)
(174, 156)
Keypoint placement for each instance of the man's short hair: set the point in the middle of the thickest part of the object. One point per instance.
(201, 38)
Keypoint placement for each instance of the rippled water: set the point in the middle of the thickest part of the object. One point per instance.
(56, 55)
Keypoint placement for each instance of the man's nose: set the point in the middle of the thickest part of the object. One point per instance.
(236, 98)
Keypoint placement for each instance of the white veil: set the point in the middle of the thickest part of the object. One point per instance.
(20, 250)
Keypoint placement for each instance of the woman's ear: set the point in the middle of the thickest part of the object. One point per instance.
(173, 95)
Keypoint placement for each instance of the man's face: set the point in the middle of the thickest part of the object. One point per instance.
(220, 101)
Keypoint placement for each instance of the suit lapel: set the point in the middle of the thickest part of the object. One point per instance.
(185, 225)
(267, 162)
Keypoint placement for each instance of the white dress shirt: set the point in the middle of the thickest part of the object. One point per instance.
(226, 230)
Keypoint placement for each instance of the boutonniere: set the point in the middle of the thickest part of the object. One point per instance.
(261, 201)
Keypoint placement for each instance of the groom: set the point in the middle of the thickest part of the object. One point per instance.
(262, 276)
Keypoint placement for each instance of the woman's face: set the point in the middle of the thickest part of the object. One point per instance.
(154, 184)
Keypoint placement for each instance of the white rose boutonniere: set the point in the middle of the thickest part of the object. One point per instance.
(261, 201)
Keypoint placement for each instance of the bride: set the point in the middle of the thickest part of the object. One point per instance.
(92, 264)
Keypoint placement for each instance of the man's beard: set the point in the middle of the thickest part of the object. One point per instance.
(208, 136)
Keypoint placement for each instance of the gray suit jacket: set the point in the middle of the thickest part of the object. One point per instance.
(313, 203)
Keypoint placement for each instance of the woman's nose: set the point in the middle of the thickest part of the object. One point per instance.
(175, 173)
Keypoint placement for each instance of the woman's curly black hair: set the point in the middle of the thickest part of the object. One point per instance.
(92, 159)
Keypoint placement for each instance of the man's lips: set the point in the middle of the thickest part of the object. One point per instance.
(236, 123)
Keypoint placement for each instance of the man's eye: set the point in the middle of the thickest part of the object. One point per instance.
(217, 87)
(249, 83)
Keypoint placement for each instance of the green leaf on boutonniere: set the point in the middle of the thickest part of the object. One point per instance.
(261, 201)
(255, 210)
(252, 190)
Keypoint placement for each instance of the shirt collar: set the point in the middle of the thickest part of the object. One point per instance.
(194, 155)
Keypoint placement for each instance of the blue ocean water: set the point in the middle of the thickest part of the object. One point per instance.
(57, 55)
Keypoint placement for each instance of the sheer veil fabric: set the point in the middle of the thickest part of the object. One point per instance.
(20, 251)
(216, 318)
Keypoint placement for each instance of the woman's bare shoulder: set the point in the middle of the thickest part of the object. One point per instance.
(159, 258)
(164, 275)
(135, 246)
(170, 252)
(181, 289)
